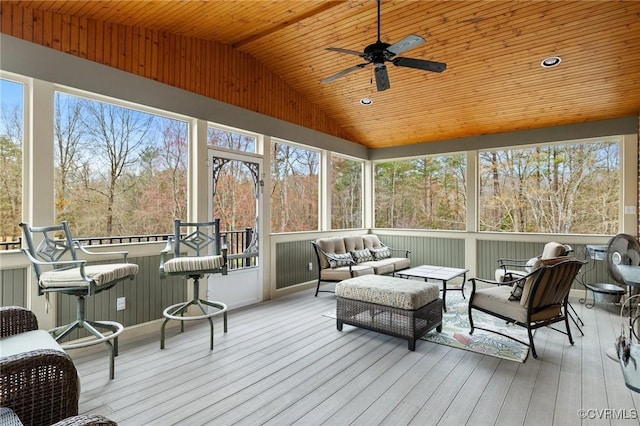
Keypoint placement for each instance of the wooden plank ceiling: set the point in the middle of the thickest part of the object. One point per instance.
(493, 82)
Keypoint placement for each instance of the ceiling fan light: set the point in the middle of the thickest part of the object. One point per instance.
(550, 62)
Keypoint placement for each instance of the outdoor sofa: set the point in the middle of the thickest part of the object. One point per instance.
(343, 257)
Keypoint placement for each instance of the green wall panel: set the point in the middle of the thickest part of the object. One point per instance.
(292, 263)
(146, 297)
(13, 287)
(489, 251)
(429, 250)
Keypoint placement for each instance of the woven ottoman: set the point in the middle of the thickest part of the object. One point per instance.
(398, 307)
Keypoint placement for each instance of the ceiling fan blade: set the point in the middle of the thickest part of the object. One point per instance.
(409, 42)
(420, 64)
(382, 77)
(343, 72)
(340, 50)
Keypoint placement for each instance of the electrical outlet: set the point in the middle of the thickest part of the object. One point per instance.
(311, 266)
(121, 303)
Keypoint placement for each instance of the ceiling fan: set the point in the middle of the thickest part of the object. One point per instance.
(378, 53)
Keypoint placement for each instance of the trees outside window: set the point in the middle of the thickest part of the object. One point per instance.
(560, 188)
(11, 140)
(223, 138)
(234, 197)
(118, 171)
(122, 171)
(294, 188)
(346, 193)
(421, 193)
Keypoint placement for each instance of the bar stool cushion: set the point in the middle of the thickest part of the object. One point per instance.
(193, 263)
(99, 274)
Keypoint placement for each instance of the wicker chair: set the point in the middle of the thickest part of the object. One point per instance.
(59, 269)
(38, 386)
(196, 249)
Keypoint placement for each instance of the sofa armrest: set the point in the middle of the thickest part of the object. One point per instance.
(328, 256)
(405, 252)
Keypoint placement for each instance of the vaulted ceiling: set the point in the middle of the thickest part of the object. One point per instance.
(493, 83)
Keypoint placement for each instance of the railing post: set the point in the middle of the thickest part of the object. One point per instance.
(248, 232)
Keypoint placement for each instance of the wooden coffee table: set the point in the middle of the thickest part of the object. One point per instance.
(437, 273)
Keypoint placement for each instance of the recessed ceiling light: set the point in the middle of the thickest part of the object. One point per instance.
(550, 62)
(366, 101)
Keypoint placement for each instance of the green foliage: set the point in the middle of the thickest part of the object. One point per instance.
(423, 193)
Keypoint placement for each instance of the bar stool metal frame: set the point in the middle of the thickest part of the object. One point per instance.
(59, 269)
(197, 249)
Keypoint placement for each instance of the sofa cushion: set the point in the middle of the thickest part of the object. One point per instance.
(363, 255)
(380, 253)
(342, 273)
(27, 341)
(496, 299)
(390, 265)
(330, 245)
(353, 242)
(371, 241)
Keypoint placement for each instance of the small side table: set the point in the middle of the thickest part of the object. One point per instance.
(601, 292)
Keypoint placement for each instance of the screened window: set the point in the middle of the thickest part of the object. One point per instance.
(561, 188)
(346, 193)
(11, 141)
(230, 139)
(118, 171)
(294, 188)
(421, 193)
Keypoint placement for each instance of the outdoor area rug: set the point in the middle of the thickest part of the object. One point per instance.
(455, 332)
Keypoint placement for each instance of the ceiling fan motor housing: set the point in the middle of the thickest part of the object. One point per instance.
(378, 53)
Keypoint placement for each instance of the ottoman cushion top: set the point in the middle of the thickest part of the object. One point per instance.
(388, 291)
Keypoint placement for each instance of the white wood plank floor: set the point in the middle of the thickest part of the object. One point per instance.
(282, 362)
